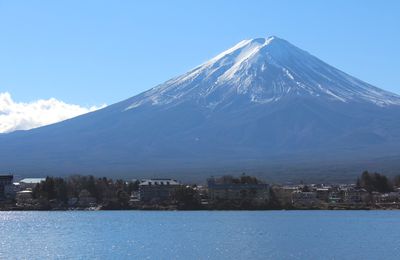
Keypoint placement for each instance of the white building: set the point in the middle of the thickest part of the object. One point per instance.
(30, 183)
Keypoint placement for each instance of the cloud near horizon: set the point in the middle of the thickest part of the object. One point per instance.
(24, 116)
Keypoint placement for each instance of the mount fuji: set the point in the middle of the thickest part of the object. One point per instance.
(263, 106)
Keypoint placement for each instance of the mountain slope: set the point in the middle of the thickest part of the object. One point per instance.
(263, 106)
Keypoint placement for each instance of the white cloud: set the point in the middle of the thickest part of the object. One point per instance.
(24, 116)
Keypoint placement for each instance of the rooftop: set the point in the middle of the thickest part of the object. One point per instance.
(24, 192)
(32, 180)
(148, 182)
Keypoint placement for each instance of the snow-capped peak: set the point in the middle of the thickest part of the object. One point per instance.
(263, 70)
(246, 47)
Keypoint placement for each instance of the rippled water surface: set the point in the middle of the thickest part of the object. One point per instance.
(200, 235)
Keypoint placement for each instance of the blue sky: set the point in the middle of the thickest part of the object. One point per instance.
(95, 52)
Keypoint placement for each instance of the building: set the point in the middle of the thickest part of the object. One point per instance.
(284, 193)
(354, 196)
(6, 186)
(30, 183)
(335, 197)
(304, 198)
(323, 193)
(24, 197)
(391, 197)
(134, 198)
(235, 189)
(157, 189)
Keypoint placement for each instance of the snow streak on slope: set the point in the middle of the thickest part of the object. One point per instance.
(263, 71)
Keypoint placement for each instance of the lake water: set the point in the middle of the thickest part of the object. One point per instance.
(200, 235)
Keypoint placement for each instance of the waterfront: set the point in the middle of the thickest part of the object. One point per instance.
(371, 191)
(200, 235)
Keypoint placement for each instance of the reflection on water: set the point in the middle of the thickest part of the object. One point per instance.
(200, 235)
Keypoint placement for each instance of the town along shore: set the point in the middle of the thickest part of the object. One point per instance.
(370, 191)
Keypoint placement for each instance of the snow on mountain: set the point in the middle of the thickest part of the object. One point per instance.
(263, 71)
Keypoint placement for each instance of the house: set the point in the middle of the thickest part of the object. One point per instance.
(134, 198)
(391, 197)
(323, 193)
(289, 189)
(304, 198)
(157, 189)
(354, 195)
(284, 193)
(335, 197)
(202, 194)
(229, 188)
(6, 186)
(24, 197)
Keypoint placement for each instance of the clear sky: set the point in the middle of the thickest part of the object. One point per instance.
(96, 52)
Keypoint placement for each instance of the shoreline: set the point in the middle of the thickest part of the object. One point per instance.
(371, 191)
(365, 208)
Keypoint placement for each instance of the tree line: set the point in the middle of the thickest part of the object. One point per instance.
(104, 190)
(376, 182)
